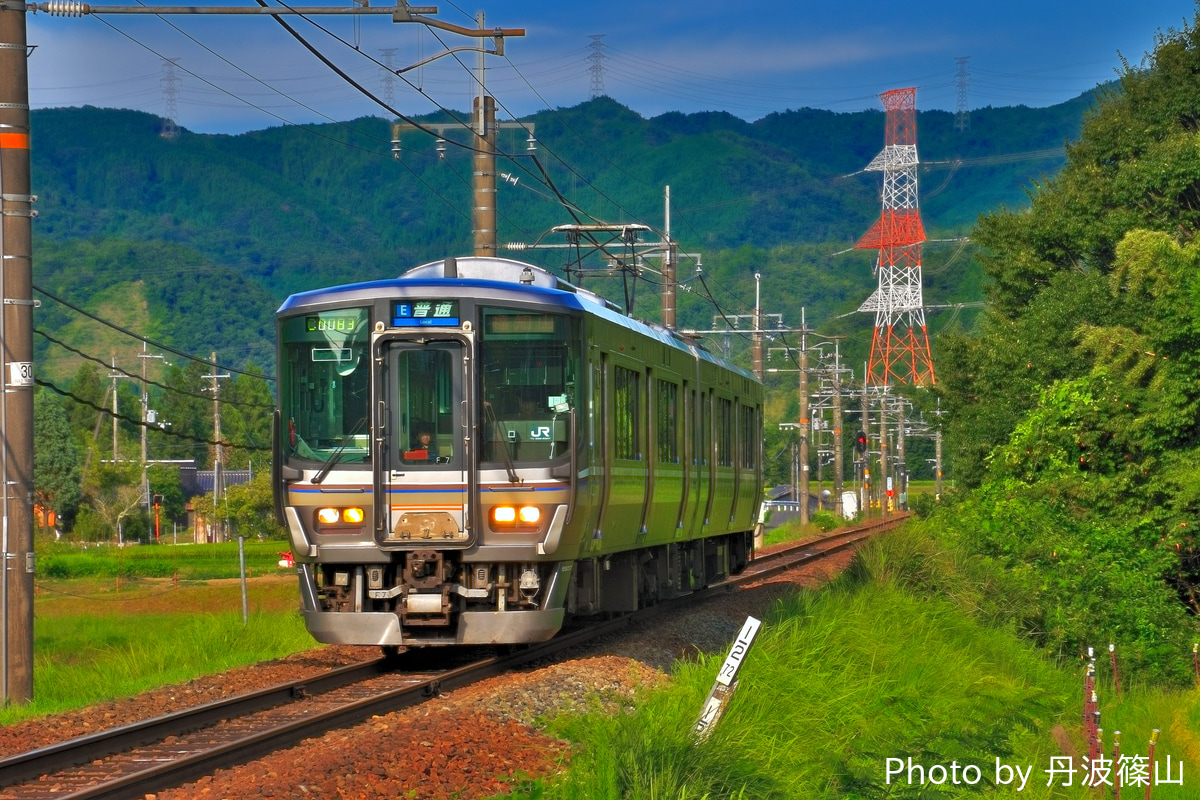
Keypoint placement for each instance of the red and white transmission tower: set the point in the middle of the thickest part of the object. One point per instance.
(900, 349)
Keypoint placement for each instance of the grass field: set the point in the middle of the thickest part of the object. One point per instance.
(114, 629)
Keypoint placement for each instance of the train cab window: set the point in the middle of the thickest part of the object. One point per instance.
(324, 385)
(423, 401)
(529, 383)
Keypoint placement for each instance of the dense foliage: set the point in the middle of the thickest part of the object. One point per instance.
(1074, 410)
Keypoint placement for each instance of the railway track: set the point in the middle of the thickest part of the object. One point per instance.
(177, 748)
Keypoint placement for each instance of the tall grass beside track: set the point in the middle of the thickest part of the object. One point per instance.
(112, 622)
(888, 661)
(81, 661)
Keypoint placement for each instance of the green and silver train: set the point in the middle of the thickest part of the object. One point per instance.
(477, 451)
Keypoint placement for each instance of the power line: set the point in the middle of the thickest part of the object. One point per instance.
(163, 386)
(142, 424)
(147, 340)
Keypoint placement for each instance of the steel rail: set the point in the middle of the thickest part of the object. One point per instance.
(27, 767)
(82, 750)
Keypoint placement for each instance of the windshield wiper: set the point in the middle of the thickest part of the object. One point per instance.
(336, 455)
(496, 437)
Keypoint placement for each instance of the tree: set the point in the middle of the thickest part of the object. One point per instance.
(250, 507)
(114, 491)
(55, 459)
(246, 409)
(1135, 166)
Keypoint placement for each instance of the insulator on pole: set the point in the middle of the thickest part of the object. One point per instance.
(63, 8)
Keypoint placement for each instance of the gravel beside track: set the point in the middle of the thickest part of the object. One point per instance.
(470, 743)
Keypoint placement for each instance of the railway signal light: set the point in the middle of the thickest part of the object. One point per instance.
(860, 442)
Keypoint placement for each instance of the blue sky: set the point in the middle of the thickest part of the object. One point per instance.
(238, 73)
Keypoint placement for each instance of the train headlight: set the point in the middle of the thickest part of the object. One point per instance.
(353, 515)
(522, 518)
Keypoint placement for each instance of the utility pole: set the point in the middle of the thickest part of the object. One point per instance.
(669, 288)
(901, 468)
(804, 420)
(885, 472)
(483, 128)
(115, 375)
(937, 454)
(145, 356)
(758, 327)
(16, 359)
(837, 434)
(485, 157)
(218, 449)
(865, 481)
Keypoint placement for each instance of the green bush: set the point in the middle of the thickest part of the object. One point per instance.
(827, 521)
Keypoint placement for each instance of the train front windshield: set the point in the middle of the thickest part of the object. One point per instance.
(325, 385)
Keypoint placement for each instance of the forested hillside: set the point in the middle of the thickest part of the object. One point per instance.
(219, 229)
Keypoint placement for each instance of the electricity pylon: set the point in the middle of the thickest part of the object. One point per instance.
(900, 347)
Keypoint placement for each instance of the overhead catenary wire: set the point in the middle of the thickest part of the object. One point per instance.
(517, 159)
(307, 128)
(541, 175)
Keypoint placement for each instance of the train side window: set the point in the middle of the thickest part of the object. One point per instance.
(627, 400)
(749, 438)
(667, 421)
(724, 432)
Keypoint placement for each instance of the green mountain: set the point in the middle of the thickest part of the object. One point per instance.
(210, 232)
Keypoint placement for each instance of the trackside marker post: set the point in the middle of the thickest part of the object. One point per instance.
(726, 683)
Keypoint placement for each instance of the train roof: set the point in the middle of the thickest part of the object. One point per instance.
(502, 279)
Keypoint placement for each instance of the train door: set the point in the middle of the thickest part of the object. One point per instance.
(691, 464)
(600, 449)
(424, 441)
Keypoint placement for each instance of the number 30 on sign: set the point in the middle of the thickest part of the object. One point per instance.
(20, 373)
